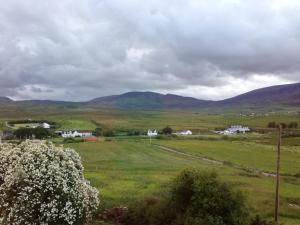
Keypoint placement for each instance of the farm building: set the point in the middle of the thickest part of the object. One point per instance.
(234, 130)
(152, 132)
(74, 133)
(45, 125)
(42, 125)
(184, 132)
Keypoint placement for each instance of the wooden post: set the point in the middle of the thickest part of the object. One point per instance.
(277, 173)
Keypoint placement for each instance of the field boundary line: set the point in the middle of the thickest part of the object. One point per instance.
(190, 155)
(219, 162)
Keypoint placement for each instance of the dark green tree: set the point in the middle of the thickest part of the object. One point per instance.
(167, 130)
(98, 132)
(108, 133)
(293, 125)
(272, 125)
(28, 133)
(194, 198)
(205, 200)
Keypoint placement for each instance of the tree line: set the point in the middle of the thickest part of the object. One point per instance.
(291, 125)
(31, 133)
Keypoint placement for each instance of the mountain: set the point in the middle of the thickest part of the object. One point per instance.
(269, 97)
(148, 100)
(288, 94)
(285, 95)
(6, 101)
(47, 103)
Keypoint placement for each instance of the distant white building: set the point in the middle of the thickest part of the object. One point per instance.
(234, 130)
(33, 125)
(238, 129)
(42, 125)
(152, 132)
(45, 125)
(74, 133)
(184, 132)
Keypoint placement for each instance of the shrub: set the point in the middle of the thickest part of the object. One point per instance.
(43, 184)
(108, 133)
(98, 132)
(207, 201)
(272, 125)
(293, 125)
(257, 220)
(152, 211)
(167, 130)
(134, 133)
(39, 133)
(195, 198)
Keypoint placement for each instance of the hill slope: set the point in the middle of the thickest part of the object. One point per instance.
(288, 94)
(5, 101)
(148, 100)
(281, 95)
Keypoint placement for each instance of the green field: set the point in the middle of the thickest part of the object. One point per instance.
(125, 170)
(75, 124)
(88, 119)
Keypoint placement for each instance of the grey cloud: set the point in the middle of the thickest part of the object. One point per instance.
(77, 50)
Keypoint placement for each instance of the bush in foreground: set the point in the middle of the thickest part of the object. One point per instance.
(194, 198)
(43, 184)
(207, 201)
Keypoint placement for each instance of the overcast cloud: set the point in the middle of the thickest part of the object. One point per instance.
(78, 50)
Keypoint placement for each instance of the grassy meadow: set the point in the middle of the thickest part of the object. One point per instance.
(88, 118)
(126, 170)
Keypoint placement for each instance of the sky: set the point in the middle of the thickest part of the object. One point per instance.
(78, 50)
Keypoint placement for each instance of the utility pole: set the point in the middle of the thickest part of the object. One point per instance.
(277, 172)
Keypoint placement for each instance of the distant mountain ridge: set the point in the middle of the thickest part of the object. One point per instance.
(286, 95)
(4, 101)
(148, 100)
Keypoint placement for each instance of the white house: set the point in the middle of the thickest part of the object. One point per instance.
(184, 132)
(75, 133)
(45, 125)
(42, 125)
(86, 133)
(234, 130)
(238, 129)
(33, 125)
(152, 132)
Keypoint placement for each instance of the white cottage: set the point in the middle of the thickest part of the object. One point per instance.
(234, 130)
(185, 132)
(152, 132)
(45, 125)
(238, 129)
(42, 125)
(74, 133)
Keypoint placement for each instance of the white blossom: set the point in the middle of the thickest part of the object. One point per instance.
(41, 184)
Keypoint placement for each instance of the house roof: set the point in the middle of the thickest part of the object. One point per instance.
(79, 131)
(152, 130)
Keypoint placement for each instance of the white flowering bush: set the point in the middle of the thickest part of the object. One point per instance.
(41, 184)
